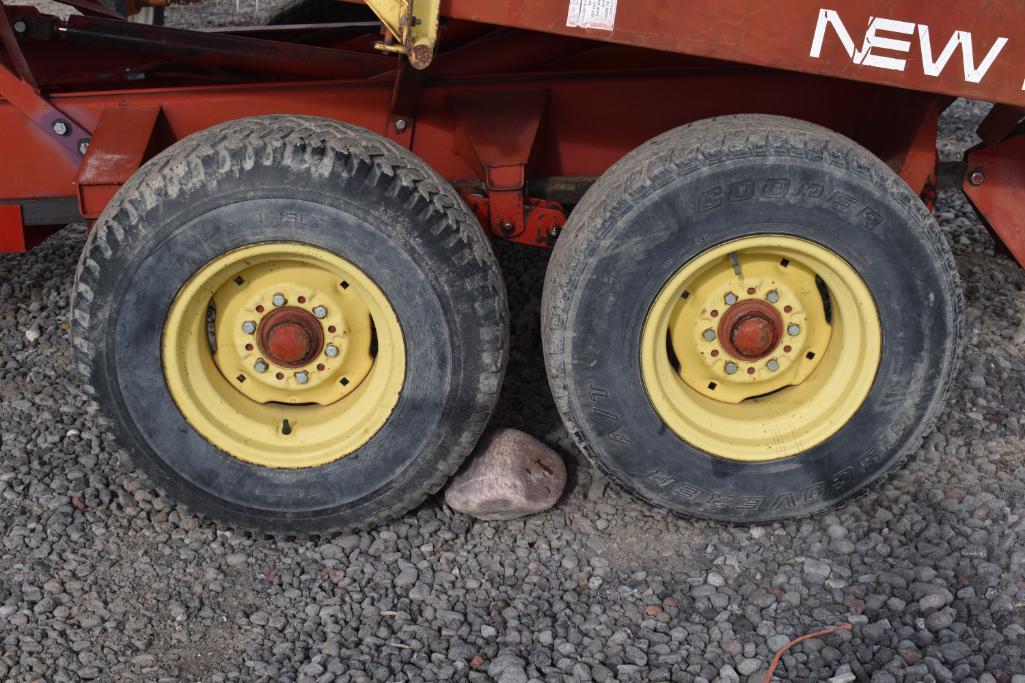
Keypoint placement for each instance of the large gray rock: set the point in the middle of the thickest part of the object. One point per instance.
(510, 474)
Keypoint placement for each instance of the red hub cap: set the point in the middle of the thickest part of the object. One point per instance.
(291, 337)
(750, 330)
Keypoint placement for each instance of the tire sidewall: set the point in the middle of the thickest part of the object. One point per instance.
(643, 246)
(356, 220)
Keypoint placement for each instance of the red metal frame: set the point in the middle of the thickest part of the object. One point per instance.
(497, 109)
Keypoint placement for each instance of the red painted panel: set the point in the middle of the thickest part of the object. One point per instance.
(889, 42)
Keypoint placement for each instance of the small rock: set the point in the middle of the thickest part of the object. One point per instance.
(510, 475)
(508, 668)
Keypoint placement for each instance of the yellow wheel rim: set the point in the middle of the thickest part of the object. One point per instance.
(283, 355)
(761, 348)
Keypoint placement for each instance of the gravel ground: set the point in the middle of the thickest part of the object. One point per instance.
(102, 577)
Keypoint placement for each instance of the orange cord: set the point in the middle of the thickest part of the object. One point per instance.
(795, 641)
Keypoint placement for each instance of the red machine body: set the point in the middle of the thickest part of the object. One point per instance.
(525, 102)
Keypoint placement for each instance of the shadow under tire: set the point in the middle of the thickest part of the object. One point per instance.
(392, 309)
(750, 318)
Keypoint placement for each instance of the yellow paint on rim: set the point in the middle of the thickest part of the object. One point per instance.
(252, 415)
(774, 411)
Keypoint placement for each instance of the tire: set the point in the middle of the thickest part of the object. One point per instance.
(331, 188)
(720, 182)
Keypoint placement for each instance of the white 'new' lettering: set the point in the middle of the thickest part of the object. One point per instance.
(931, 65)
(972, 73)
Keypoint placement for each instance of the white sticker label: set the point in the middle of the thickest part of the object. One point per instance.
(599, 14)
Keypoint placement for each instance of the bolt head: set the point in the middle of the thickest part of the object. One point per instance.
(773, 365)
(793, 329)
(249, 327)
(708, 335)
(83, 146)
(730, 298)
(261, 365)
(60, 127)
(279, 300)
(401, 125)
(302, 377)
(730, 368)
(977, 177)
(331, 351)
(320, 312)
(20, 26)
(772, 297)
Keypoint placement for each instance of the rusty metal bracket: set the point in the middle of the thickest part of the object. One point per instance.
(21, 90)
(117, 151)
(496, 136)
(413, 24)
(405, 104)
(994, 183)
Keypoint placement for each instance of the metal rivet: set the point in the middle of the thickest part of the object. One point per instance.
(279, 300)
(331, 351)
(977, 177)
(730, 298)
(261, 365)
(302, 377)
(61, 127)
(320, 312)
(773, 365)
(730, 368)
(772, 296)
(708, 335)
(249, 327)
(793, 329)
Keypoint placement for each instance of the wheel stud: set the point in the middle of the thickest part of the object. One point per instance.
(772, 296)
(249, 327)
(793, 329)
(730, 368)
(708, 335)
(279, 300)
(331, 351)
(261, 365)
(320, 312)
(773, 365)
(302, 377)
(730, 298)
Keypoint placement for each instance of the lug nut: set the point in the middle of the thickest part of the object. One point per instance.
(261, 365)
(793, 329)
(302, 377)
(279, 300)
(773, 365)
(708, 335)
(249, 327)
(731, 368)
(772, 296)
(331, 351)
(320, 312)
(730, 298)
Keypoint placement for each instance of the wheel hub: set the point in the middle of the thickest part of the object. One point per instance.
(750, 330)
(291, 337)
(283, 355)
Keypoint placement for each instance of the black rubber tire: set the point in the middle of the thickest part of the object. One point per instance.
(338, 187)
(696, 187)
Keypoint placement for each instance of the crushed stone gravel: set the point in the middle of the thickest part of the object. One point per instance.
(104, 578)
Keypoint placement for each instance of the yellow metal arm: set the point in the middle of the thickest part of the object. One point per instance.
(413, 23)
